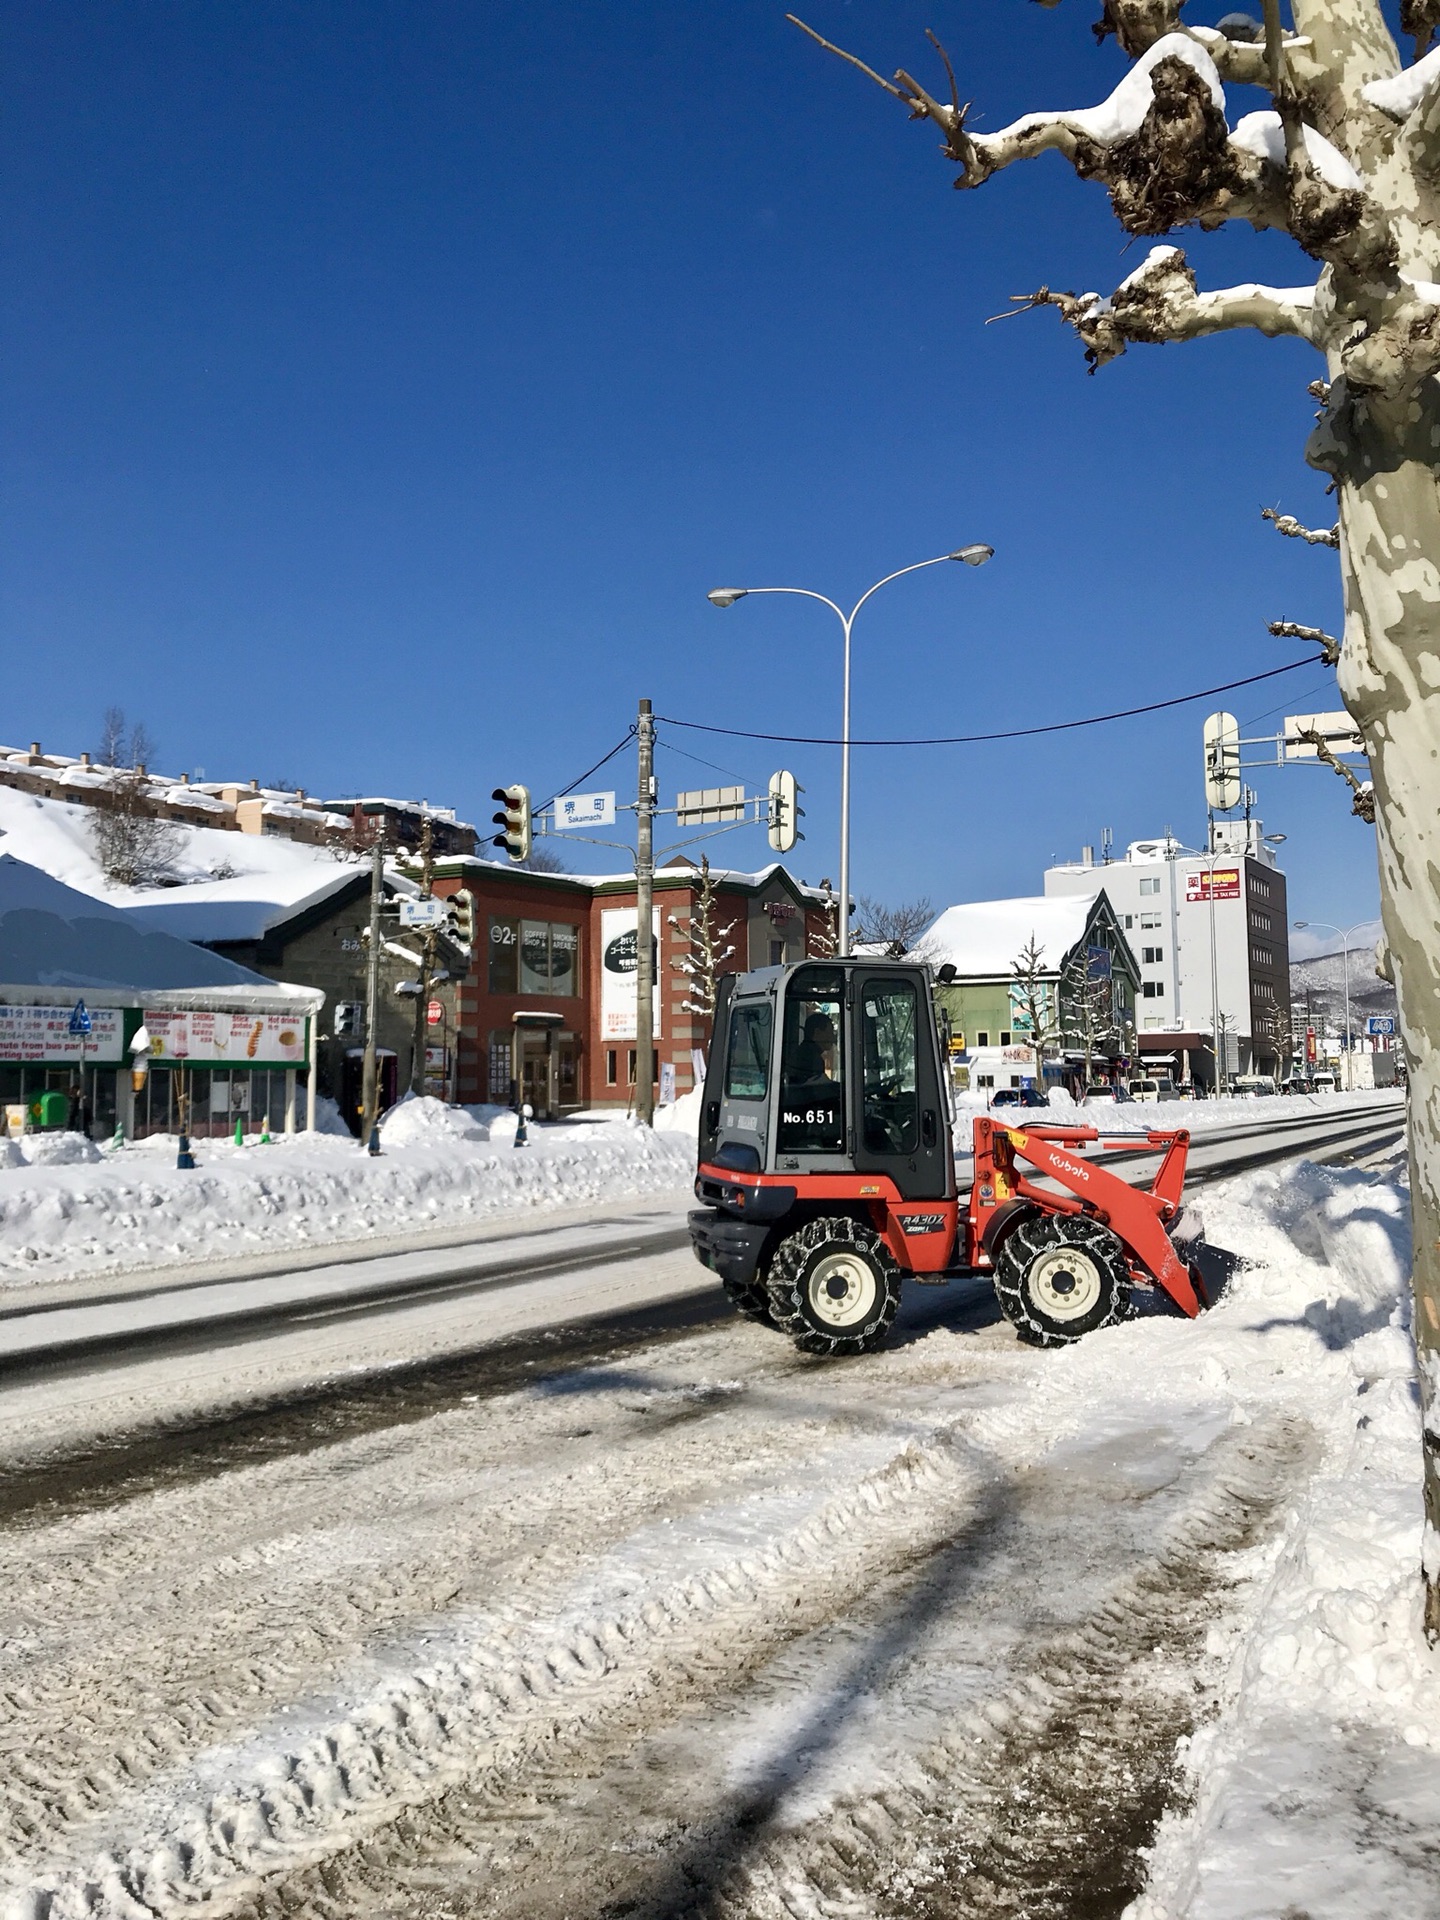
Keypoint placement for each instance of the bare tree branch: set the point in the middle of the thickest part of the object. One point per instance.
(896, 928)
(1292, 630)
(830, 47)
(1159, 303)
(1287, 524)
(1363, 803)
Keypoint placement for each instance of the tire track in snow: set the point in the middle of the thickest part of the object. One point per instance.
(1035, 1802)
(497, 1702)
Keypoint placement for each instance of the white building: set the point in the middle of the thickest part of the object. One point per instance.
(1210, 931)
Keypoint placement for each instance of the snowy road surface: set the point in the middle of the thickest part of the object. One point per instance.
(651, 1618)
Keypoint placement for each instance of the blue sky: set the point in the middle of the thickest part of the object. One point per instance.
(385, 384)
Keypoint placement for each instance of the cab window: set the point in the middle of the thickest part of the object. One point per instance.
(889, 1028)
(747, 1072)
(812, 1073)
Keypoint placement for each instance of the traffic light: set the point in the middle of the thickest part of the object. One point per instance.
(786, 812)
(515, 819)
(347, 1018)
(462, 916)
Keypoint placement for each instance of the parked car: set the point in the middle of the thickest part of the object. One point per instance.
(1323, 1083)
(1018, 1097)
(1252, 1086)
(1101, 1091)
(1162, 1089)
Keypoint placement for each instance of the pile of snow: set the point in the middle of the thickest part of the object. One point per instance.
(57, 1150)
(439, 1167)
(1263, 135)
(682, 1116)
(1317, 1789)
(1402, 92)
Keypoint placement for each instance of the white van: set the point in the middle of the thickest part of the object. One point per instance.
(1323, 1082)
(1252, 1086)
(1163, 1089)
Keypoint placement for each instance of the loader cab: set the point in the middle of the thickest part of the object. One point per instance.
(829, 1067)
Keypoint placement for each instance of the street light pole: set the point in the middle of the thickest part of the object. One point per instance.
(973, 556)
(1343, 934)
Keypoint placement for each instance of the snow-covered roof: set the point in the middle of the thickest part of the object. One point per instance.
(243, 908)
(53, 936)
(983, 938)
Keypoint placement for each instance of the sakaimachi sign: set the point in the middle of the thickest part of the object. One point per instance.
(202, 1038)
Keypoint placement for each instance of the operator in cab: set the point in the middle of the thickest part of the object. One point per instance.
(812, 1056)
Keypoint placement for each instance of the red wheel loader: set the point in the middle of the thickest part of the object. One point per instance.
(827, 1173)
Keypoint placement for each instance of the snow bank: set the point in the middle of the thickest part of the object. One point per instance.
(1317, 1788)
(439, 1167)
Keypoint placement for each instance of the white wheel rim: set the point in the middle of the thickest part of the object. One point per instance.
(1066, 1283)
(841, 1290)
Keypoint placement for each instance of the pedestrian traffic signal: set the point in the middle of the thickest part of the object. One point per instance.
(515, 820)
(347, 1018)
(786, 812)
(462, 916)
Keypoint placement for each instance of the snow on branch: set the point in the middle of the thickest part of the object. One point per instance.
(1362, 804)
(1292, 630)
(1159, 303)
(1287, 524)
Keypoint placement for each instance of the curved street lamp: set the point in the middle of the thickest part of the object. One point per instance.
(1344, 933)
(974, 555)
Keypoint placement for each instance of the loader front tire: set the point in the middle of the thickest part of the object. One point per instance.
(1058, 1277)
(749, 1299)
(834, 1287)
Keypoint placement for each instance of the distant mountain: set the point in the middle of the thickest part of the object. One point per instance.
(1323, 979)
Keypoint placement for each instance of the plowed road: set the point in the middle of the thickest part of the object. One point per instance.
(515, 1580)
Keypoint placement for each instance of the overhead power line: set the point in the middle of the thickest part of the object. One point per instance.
(977, 739)
(560, 792)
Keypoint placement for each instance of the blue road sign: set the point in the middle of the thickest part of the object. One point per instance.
(80, 1021)
(1381, 1023)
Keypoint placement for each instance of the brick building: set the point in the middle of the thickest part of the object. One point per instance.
(548, 1003)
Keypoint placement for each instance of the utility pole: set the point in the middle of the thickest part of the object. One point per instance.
(370, 1113)
(644, 918)
(427, 966)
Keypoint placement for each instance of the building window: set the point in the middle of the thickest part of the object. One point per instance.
(984, 1079)
(1259, 921)
(630, 1069)
(1004, 1036)
(777, 953)
(1129, 921)
(1259, 886)
(500, 1065)
(534, 957)
(1152, 956)
(1153, 1020)
(612, 1066)
(1149, 922)
(1150, 886)
(1262, 957)
(1153, 990)
(982, 1039)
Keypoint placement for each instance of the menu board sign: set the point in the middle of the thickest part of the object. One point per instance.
(202, 1038)
(42, 1035)
(618, 957)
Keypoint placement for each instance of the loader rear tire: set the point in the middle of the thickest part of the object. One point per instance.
(749, 1299)
(1058, 1277)
(834, 1287)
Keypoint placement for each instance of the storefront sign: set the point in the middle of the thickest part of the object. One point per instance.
(434, 1012)
(43, 1035)
(1219, 883)
(243, 1039)
(617, 973)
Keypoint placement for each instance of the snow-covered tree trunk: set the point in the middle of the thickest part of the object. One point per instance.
(1347, 161)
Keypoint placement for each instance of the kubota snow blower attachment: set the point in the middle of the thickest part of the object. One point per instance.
(826, 1173)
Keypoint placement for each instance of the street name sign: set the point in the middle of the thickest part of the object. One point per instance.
(585, 810)
(423, 913)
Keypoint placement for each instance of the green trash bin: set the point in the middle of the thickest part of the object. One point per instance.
(50, 1111)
